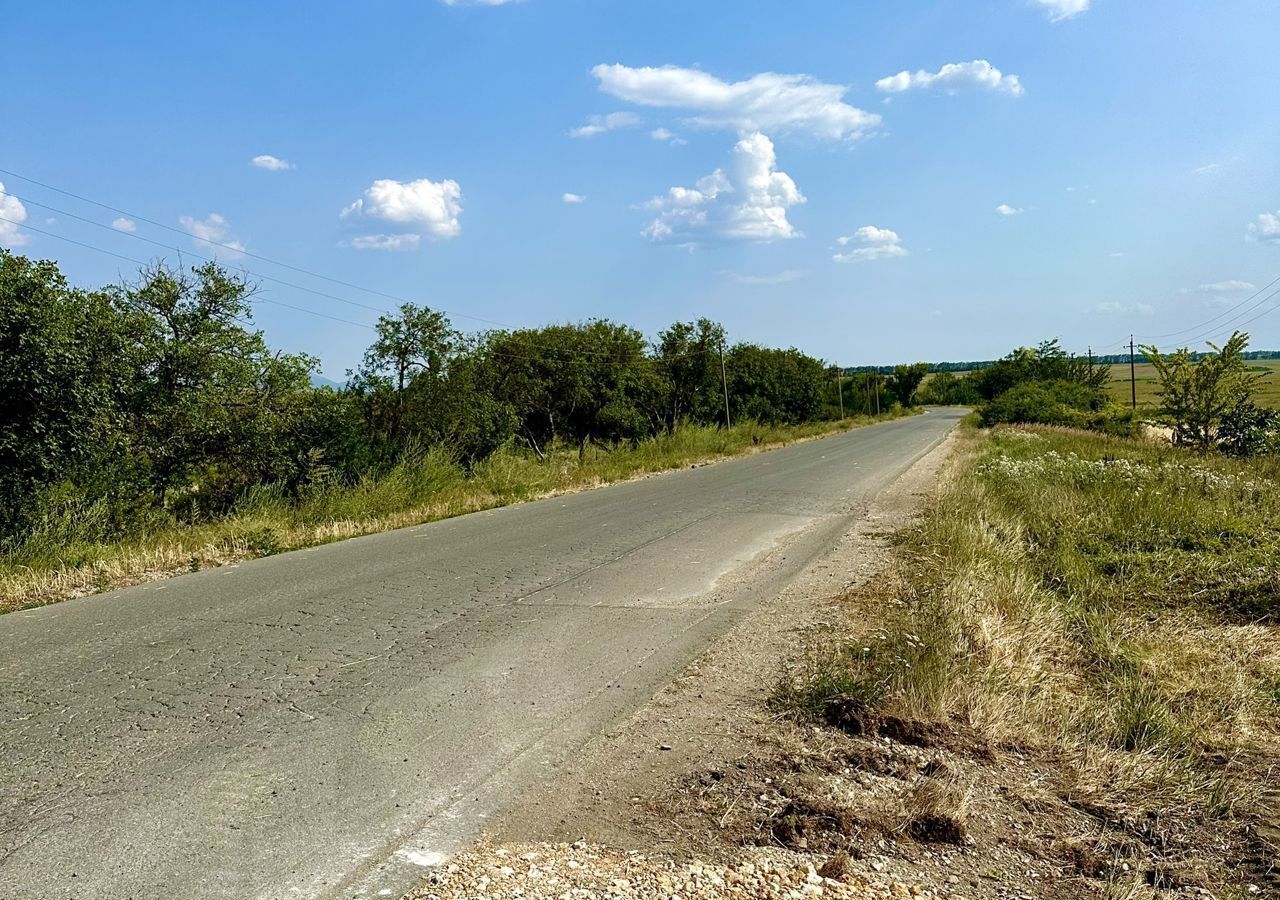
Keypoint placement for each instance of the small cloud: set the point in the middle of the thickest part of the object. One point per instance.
(600, 124)
(779, 278)
(1059, 10)
(667, 136)
(1005, 209)
(1266, 228)
(271, 163)
(1230, 286)
(123, 224)
(213, 233)
(870, 243)
(423, 208)
(1208, 169)
(1113, 308)
(979, 73)
(12, 215)
(573, 198)
(386, 242)
(1116, 254)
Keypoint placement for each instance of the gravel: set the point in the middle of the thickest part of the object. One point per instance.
(584, 871)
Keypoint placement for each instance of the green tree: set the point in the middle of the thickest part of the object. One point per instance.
(687, 358)
(906, 381)
(1198, 395)
(414, 346)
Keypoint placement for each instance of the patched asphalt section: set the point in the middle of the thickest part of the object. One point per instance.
(324, 723)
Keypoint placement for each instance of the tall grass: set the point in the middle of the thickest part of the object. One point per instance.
(76, 551)
(1111, 600)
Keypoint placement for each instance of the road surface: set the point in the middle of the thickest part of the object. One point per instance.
(328, 722)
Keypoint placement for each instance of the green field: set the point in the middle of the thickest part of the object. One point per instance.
(1268, 395)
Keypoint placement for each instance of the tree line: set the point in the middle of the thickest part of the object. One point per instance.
(156, 400)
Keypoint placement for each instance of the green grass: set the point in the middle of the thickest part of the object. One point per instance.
(1114, 602)
(1148, 384)
(64, 559)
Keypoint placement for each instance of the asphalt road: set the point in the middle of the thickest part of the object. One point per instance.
(326, 723)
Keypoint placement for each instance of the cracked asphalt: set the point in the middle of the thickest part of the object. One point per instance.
(326, 723)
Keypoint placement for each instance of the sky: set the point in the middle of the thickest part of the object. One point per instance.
(871, 182)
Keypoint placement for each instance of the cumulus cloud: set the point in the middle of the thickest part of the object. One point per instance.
(573, 198)
(767, 102)
(1005, 209)
(1266, 228)
(123, 224)
(978, 74)
(668, 136)
(271, 163)
(421, 208)
(1062, 9)
(870, 243)
(748, 202)
(600, 124)
(213, 233)
(12, 214)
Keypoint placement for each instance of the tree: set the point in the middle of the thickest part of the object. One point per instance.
(687, 358)
(417, 343)
(1198, 395)
(906, 380)
(775, 386)
(213, 405)
(66, 368)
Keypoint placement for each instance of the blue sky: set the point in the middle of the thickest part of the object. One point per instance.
(820, 174)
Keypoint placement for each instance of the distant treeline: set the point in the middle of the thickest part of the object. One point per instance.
(1109, 360)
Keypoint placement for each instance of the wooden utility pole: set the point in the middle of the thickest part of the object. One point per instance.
(840, 391)
(1133, 375)
(876, 376)
(724, 381)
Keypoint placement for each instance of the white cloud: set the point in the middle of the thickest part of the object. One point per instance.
(1113, 308)
(271, 163)
(748, 203)
(123, 224)
(11, 208)
(600, 124)
(870, 243)
(423, 208)
(386, 241)
(1266, 228)
(1207, 169)
(1230, 286)
(785, 277)
(213, 233)
(979, 73)
(767, 102)
(573, 198)
(1063, 9)
(1005, 209)
(670, 137)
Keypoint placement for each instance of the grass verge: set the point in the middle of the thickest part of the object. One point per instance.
(1106, 605)
(52, 564)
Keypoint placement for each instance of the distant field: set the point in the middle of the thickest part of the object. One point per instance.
(1146, 378)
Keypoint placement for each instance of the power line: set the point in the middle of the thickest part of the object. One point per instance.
(258, 256)
(1228, 312)
(570, 351)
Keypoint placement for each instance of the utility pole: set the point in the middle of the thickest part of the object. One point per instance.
(840, 391)
(724, 381)
(876, 375)
(1133, 375)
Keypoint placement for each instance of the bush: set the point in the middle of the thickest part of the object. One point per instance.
(1041, 403)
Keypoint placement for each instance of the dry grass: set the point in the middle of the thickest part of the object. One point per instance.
(1110, 603)
(57, 563)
